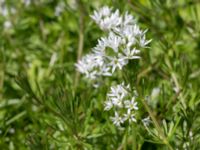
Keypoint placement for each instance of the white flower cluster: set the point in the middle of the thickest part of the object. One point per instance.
(123, 103)
(123, 43)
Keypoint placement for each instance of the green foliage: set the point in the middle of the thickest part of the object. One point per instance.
(46, 104)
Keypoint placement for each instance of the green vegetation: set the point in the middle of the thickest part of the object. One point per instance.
(45, 103)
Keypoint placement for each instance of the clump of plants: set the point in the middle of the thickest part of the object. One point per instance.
(79, 75)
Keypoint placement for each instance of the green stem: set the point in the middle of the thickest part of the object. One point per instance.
(134, 139)
(2, 73)
(1, 80)
(157, 126)
(177, 85)
(81, 37)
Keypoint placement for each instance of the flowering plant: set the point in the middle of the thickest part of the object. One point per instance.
(124, 104)
(123, 43)
(126, 92)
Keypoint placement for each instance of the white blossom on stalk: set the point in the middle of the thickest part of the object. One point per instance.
(131, 104)
(118, 100)
(128, 19)
(117, 120)
(88, 64)
(116, 96)
(143, 41)
(131, 54)
(122, 43)
(116, 63)
(130, 116)
(108, 105)
(106, 19)
(146, 121)
(105, 71)
(113, 41)
(119, 91)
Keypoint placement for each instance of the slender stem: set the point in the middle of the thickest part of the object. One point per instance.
(1, 80)
(2, 72)
(176, 82)
(81, 37)
(177, 85)
(134, 139)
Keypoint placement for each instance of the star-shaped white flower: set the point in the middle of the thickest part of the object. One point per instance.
(108, 105)
(131, 53)
(117, 120)
(131, 104)
(130, 116)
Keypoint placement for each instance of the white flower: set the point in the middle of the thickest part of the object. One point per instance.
(100, 47)
(105, 71)
(111, 21)
(88, 64)
(131, 54)
(143, 41)
(130, 116)
(83, 64)
(106, 19)
(119, 91)
(117, 94)
(146, 121)
(108, 105)
(103, 12)
(131, 104)
(113, 52)
(116, 63)
(117, 120)
(117, 101)
(128, 19)
(113, 41)
(131, 31)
